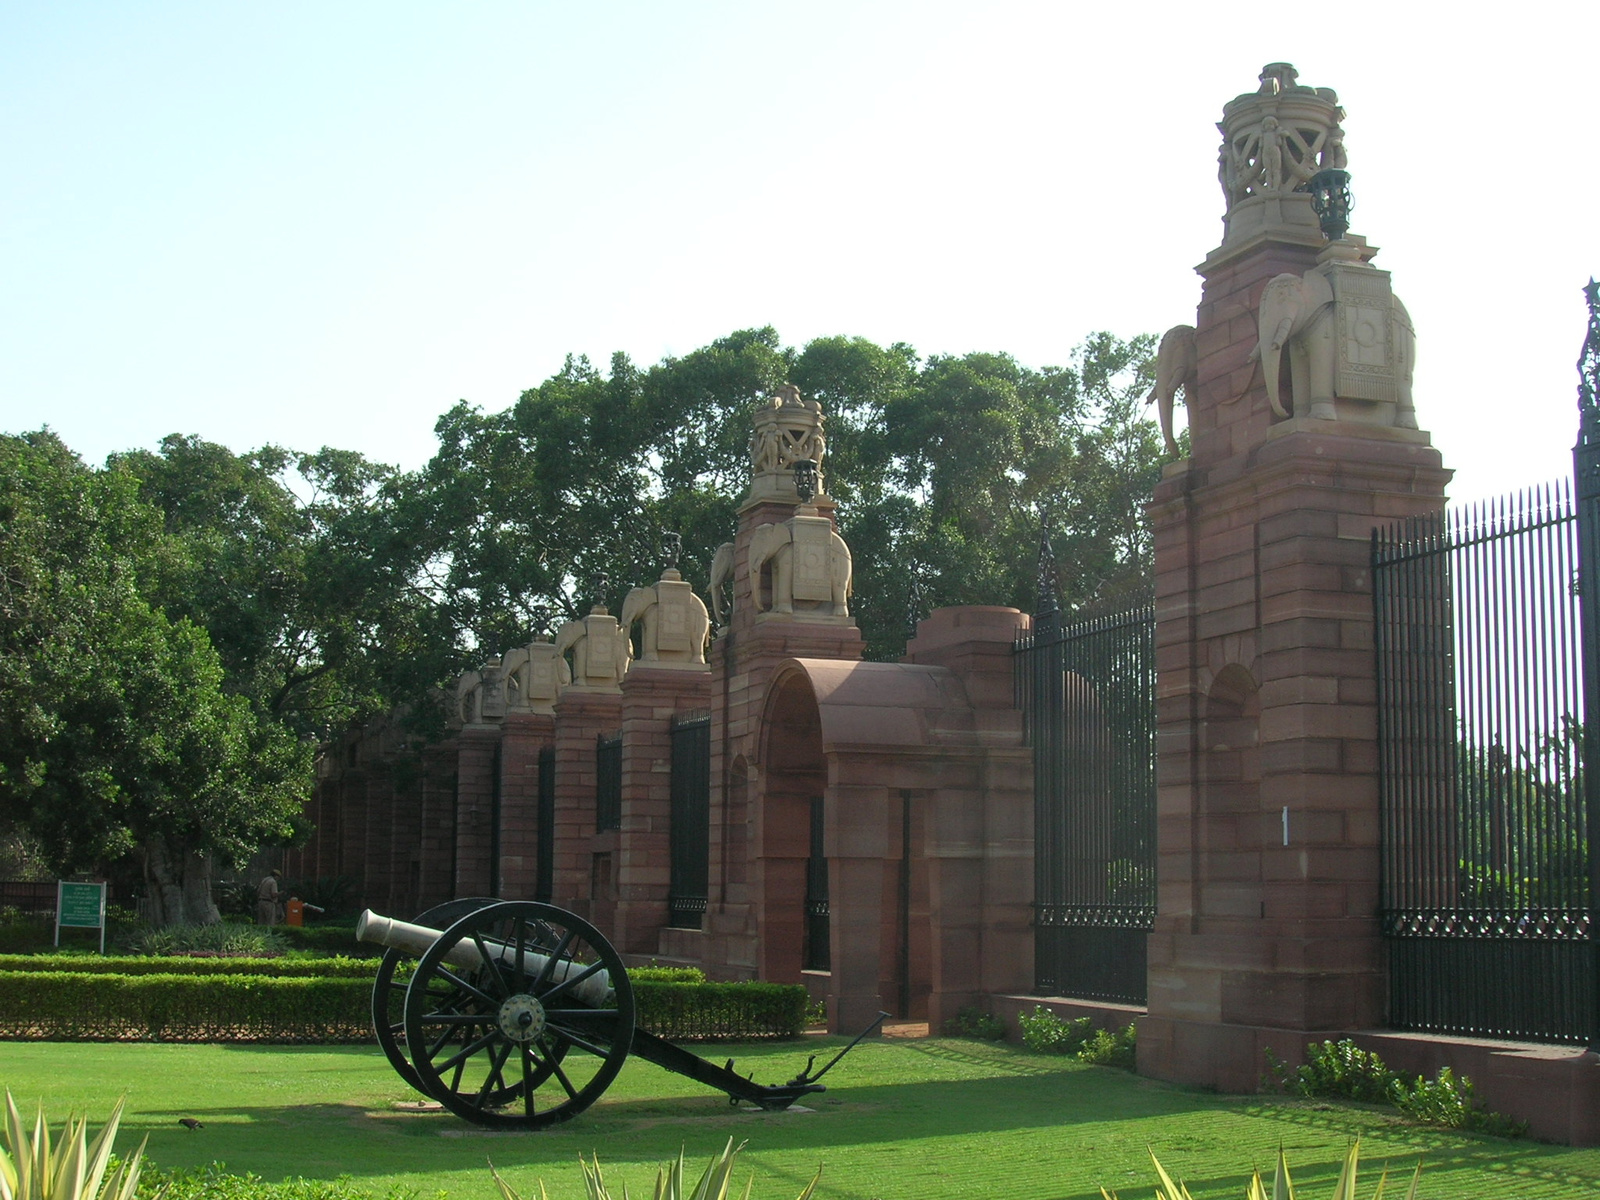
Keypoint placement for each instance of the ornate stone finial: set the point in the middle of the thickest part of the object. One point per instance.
(540, 615)
(671, 548)
(1277, 78)
(1589, 372)
(785, 430)
(598, 585)
(1274, 140)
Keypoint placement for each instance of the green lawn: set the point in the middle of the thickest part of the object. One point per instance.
(903, 1119)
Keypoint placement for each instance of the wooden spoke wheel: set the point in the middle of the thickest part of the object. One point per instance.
(389, 993)
(520, 1014)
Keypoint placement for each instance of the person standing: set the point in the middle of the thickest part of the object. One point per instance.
(267, 899)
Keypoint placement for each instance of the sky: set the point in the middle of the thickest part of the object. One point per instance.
(324, 224)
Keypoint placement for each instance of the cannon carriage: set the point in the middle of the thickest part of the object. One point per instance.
(520, 1014)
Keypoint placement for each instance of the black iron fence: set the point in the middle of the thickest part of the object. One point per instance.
(545, 819)
(608, 782)
(689, 831)
(1087, 691)
(1486, 858)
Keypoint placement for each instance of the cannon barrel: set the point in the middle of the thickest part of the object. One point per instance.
(594, 989)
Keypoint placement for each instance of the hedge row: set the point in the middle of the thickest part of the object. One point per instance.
(78, 1006)
(84, 1006)
(183, 964)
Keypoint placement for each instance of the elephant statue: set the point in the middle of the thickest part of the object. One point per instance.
(1344, 343)
(1176, 360)
(676, 626)
(820, 581)
(600, 649)
(721, 572)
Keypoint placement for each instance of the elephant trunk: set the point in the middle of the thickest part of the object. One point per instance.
(1271, 350)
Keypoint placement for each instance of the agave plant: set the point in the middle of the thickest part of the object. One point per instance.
(1282, 1186)
(712, 1185)
(32, 1168)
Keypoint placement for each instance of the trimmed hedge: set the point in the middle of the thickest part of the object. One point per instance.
(338, 968)
(78, 1005)
(720, 1011)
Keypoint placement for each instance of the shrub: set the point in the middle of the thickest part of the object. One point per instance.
(84, 1006)
(719, 1011)
(712, 1185)
(350, 968)
(222, 938)
(973, 1022)
(1282, 1185)
(1111, 1048)
(1047, 1033)
(332, 940)
(1338, 1070)
(209, 1000)
(1343, 1071)
(68, 1168)
(215, 1182)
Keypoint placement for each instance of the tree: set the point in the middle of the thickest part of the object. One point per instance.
(116, 734)
(302, 572)
(942, 469)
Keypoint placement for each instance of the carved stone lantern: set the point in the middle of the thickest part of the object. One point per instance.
(1330, 200)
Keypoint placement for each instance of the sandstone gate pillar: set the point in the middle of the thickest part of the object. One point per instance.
(1267, 811)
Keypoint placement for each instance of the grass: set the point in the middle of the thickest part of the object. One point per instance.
(903, 1119)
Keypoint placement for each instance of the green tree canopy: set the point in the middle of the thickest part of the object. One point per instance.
(116, 733)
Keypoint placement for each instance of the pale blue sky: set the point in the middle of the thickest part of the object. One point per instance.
(325, 223)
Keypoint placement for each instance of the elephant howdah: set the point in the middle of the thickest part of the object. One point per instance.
(521, 1014)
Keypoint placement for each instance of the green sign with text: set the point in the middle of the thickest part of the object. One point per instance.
(81, 905)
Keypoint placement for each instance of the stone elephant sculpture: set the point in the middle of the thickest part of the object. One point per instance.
(603, 663)
(690, 623)
(1298, 314)
(1176, 360)
(721, 572)
(774, 544)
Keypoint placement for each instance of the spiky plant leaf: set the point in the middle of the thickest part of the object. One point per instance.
(1282, 1188)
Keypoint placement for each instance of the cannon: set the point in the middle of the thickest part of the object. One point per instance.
(519, 1013)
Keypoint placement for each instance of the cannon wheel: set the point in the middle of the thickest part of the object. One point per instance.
(389, 996)
(512, 1044)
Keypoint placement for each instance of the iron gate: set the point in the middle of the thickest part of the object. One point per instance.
(1485, 901)
(689, 829)
(1087, 691)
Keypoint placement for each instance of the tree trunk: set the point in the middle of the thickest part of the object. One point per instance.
(179, 885)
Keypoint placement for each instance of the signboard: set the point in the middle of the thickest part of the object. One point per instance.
(81, 906)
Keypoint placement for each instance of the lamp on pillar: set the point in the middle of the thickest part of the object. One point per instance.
(671, 547)
(1330, 200)
(805, 479)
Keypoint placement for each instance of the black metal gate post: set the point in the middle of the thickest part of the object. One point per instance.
(1586, 469)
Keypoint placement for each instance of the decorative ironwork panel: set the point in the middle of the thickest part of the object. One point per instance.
(1087, 691)
(689, 833)
(1485, 855)
(608, 782)
(545, 818)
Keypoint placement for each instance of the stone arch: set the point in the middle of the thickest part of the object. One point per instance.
(1228, 877)
(794, 777)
